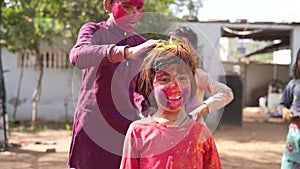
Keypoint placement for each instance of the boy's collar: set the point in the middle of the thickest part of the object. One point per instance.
(115, 28)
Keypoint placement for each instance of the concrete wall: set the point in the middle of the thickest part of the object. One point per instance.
(208, 46)
(256, 78)
(56, 101)
(295, 44)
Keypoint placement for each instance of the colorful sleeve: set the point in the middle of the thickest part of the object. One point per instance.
(130, 156)
(211, 159)
(85, 54)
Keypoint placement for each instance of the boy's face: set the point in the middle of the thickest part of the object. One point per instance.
(127, 13)
(172, 88)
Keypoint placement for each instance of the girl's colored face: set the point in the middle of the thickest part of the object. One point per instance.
(127, 13)
(172, 88)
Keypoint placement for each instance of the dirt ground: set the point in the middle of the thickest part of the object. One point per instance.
(257, 144)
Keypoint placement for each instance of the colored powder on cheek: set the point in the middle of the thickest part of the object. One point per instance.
(123, 19)
(160, 97)
(118, 11)
(170, 90)
(136, 3)
(186, 94)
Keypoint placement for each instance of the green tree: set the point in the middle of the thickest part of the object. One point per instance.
(73, 14)
(161, 6)
(192, 6)
(24, 26)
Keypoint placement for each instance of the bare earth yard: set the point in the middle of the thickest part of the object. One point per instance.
(257, 144)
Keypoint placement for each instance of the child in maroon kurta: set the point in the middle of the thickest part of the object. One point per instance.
(169, 138)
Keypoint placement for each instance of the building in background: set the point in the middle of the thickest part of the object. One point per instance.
(220, 57)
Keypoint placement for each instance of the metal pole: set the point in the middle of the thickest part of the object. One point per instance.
(275, 71)
(3, 96)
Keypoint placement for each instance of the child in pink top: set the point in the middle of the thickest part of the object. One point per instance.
(169, 138)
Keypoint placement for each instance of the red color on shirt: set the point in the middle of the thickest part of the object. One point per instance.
(149, 144)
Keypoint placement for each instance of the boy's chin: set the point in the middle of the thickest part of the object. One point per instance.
(129, 28)
(126, 26)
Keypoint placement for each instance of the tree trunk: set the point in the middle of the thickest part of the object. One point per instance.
(37, 91)
(17, 103)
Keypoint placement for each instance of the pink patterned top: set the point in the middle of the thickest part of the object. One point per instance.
(149, 144)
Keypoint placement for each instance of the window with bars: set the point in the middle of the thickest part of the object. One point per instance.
(50, 59)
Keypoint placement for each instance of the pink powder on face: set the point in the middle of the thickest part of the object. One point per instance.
(184, 93)
(171, 88)
(163, 93)
(134, 2)
(127, 20)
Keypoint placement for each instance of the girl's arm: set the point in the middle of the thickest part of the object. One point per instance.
(221, 94)
(286, 102)
(287, 96)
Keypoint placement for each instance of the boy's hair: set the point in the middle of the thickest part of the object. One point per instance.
(161, 57)
(296, 72)
(187, 32)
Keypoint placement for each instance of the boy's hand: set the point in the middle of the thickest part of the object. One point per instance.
(134, 52)
(286, 113)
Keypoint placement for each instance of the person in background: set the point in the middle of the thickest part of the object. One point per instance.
(169, 138)
(109, 55)
(221, 95)
(289, 108)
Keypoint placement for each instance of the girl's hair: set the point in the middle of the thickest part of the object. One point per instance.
(296, 72)
(160, 57)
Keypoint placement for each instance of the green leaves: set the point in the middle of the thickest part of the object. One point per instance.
(191, 5)
(26, 24)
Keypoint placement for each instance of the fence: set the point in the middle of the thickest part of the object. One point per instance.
(50, 59)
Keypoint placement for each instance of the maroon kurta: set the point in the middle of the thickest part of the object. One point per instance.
(105, 103)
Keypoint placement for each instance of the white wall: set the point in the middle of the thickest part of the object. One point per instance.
(295, 45)
(56, 98)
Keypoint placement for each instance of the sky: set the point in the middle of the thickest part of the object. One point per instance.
(252, 10)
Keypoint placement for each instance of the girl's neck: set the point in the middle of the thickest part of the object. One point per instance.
(171, 118)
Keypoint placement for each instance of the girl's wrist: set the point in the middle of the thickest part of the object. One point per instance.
(204, 110)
